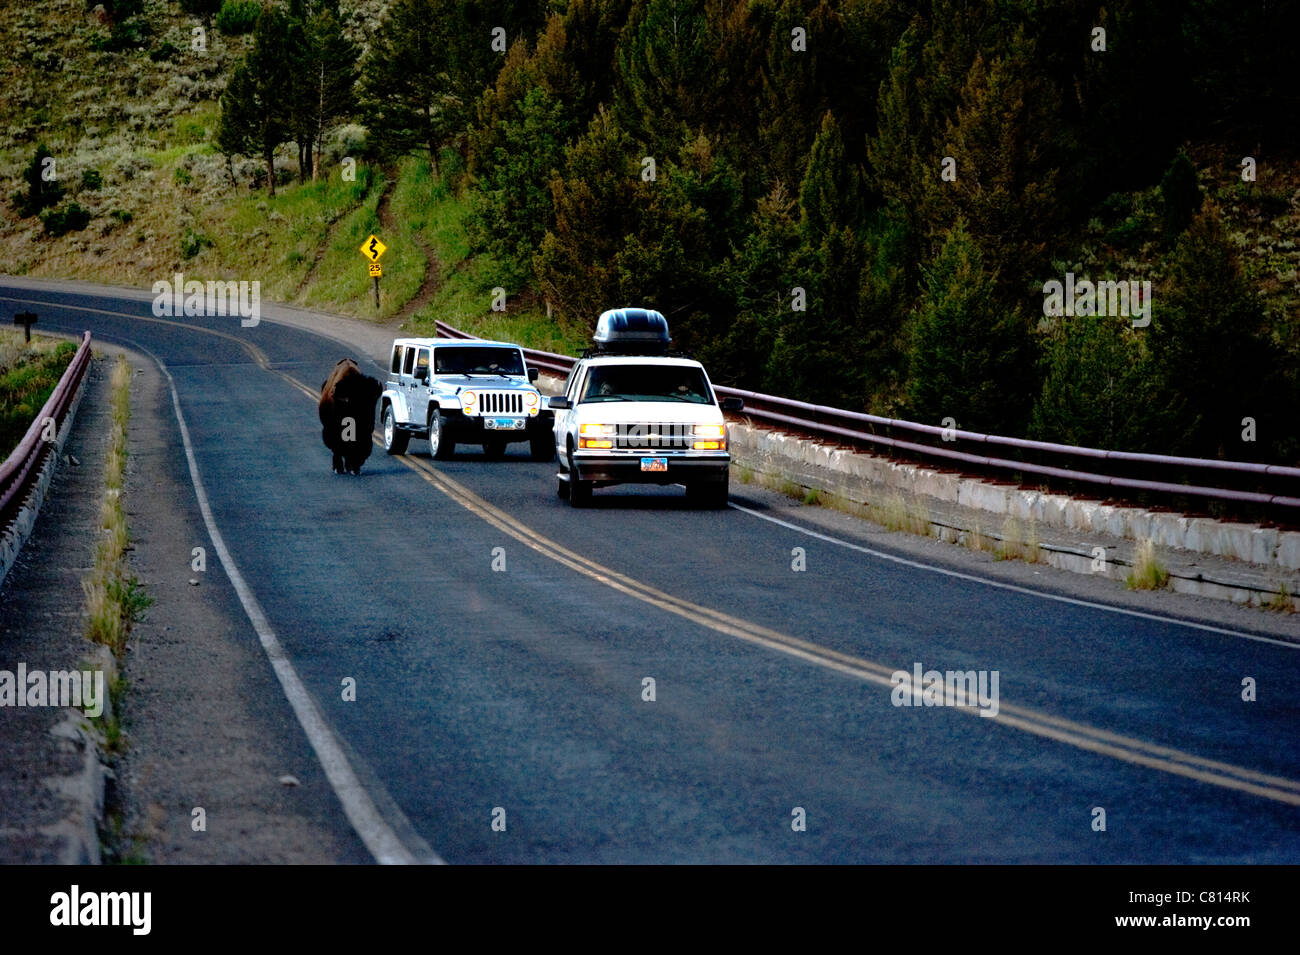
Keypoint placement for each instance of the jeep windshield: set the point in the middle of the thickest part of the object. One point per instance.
(477, 360)
(647, 383)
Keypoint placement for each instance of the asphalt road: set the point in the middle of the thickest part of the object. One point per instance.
(522, 689)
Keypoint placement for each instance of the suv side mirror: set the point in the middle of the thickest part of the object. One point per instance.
(732, 404)
(422, 373)
(532, 373)
(558, 403)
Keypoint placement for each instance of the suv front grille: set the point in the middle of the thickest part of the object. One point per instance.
(650, 436)
(499, 402)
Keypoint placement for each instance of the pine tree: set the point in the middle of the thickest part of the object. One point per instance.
(599, 199)
(410, 98)
(664, 72)
(330, 76)
(1007, 143)
(969, 356)
(795, 83)
(1096, 385)
(831, 193)
(512, 204)
(256, 116)
(1210, 348)
(763, 280)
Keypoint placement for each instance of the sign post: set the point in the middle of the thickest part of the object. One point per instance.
(26, 320)
(372, 249)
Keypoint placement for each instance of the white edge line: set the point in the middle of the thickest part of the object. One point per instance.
(1013, 587)
(379, 838)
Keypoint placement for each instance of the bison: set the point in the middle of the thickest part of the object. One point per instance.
(347, 414)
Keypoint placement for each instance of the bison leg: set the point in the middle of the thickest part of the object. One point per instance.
(338, 463)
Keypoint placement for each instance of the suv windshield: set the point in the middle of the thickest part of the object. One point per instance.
(477, 360)
(647, 383)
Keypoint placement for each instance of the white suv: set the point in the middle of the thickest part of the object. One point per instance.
(634, 413)
(461, 391)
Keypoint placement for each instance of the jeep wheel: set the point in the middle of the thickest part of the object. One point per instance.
(395, 439)
(541, 445)
(440, 446)
(494, 447)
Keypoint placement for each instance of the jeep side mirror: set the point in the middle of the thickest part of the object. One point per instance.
(558, 403)
(732, 404)
(532, 373)
(422, 373)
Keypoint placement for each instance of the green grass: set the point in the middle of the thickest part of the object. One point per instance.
(464, 296)
(28, 375)
(1282, 601)
(275, 239)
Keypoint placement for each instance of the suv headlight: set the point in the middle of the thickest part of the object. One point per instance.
(596, 435)
(709, 437)
(467, 399)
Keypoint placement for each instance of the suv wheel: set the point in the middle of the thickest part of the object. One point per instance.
(440, 446)
(579, 493)
(395, 439)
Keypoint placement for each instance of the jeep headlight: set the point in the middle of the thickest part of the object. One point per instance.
(596, 435)
(530, 402)
(709, 437)
(467, 399)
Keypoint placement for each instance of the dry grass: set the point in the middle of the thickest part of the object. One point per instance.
(1018, 543)
(899, 514)
(114, 599)
(1148, 573)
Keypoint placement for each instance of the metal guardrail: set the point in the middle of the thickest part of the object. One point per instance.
(1132, 471)
(20, 470)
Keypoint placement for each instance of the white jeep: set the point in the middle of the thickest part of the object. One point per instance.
(633, 412)
(452, 391)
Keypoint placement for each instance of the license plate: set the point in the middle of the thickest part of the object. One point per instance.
(654, 464)
(504, 424)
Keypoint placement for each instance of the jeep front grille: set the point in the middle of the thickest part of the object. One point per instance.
(500, 402)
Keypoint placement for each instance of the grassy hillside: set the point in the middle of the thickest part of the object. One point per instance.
(131, 126)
